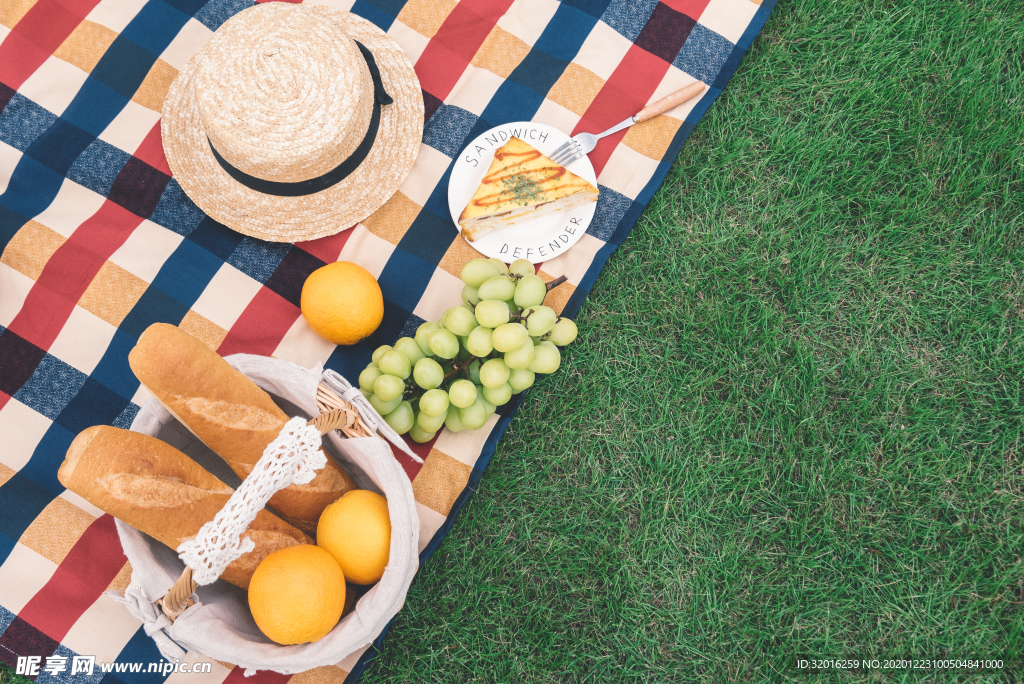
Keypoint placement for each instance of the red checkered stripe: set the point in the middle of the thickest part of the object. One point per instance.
(66, 594)
(70, 554)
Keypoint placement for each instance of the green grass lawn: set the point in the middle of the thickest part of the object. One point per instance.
(792, 425)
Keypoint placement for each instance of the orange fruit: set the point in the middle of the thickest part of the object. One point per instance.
(356, 530)
(342, 302)
(297, 594)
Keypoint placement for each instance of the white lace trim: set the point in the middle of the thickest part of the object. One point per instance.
(292, 458)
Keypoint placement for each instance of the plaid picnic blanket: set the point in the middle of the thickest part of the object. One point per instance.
(99, 241)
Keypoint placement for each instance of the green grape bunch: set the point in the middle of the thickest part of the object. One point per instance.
(457, 371)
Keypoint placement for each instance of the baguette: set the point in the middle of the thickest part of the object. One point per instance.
(229, 413)
(162, 492)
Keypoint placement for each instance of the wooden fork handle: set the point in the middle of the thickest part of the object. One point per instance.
(669, 101)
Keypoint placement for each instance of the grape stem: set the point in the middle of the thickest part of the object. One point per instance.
(549, 285)
(515, 277)
(555, 283)
(459, 368)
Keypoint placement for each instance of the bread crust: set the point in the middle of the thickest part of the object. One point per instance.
(229, 413)
(161, 492)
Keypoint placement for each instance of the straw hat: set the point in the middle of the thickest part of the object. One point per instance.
(294, 122)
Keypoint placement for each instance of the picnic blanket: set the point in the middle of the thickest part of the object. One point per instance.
(99, 241)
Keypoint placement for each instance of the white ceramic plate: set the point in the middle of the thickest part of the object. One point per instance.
(538, 239)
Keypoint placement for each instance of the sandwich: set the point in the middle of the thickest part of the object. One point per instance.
(521, 184)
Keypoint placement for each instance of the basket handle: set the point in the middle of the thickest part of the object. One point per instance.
(337, 414)
(348, 419)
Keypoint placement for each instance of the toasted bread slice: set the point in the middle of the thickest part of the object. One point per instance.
(521, 184)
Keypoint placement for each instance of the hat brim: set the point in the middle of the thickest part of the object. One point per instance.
(296, 219)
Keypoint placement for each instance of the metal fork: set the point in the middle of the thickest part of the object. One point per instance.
(584, 143)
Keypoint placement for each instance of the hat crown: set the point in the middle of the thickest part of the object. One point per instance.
(275, 65)
(284, 93)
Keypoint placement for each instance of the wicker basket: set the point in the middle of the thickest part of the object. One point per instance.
(214, 620)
